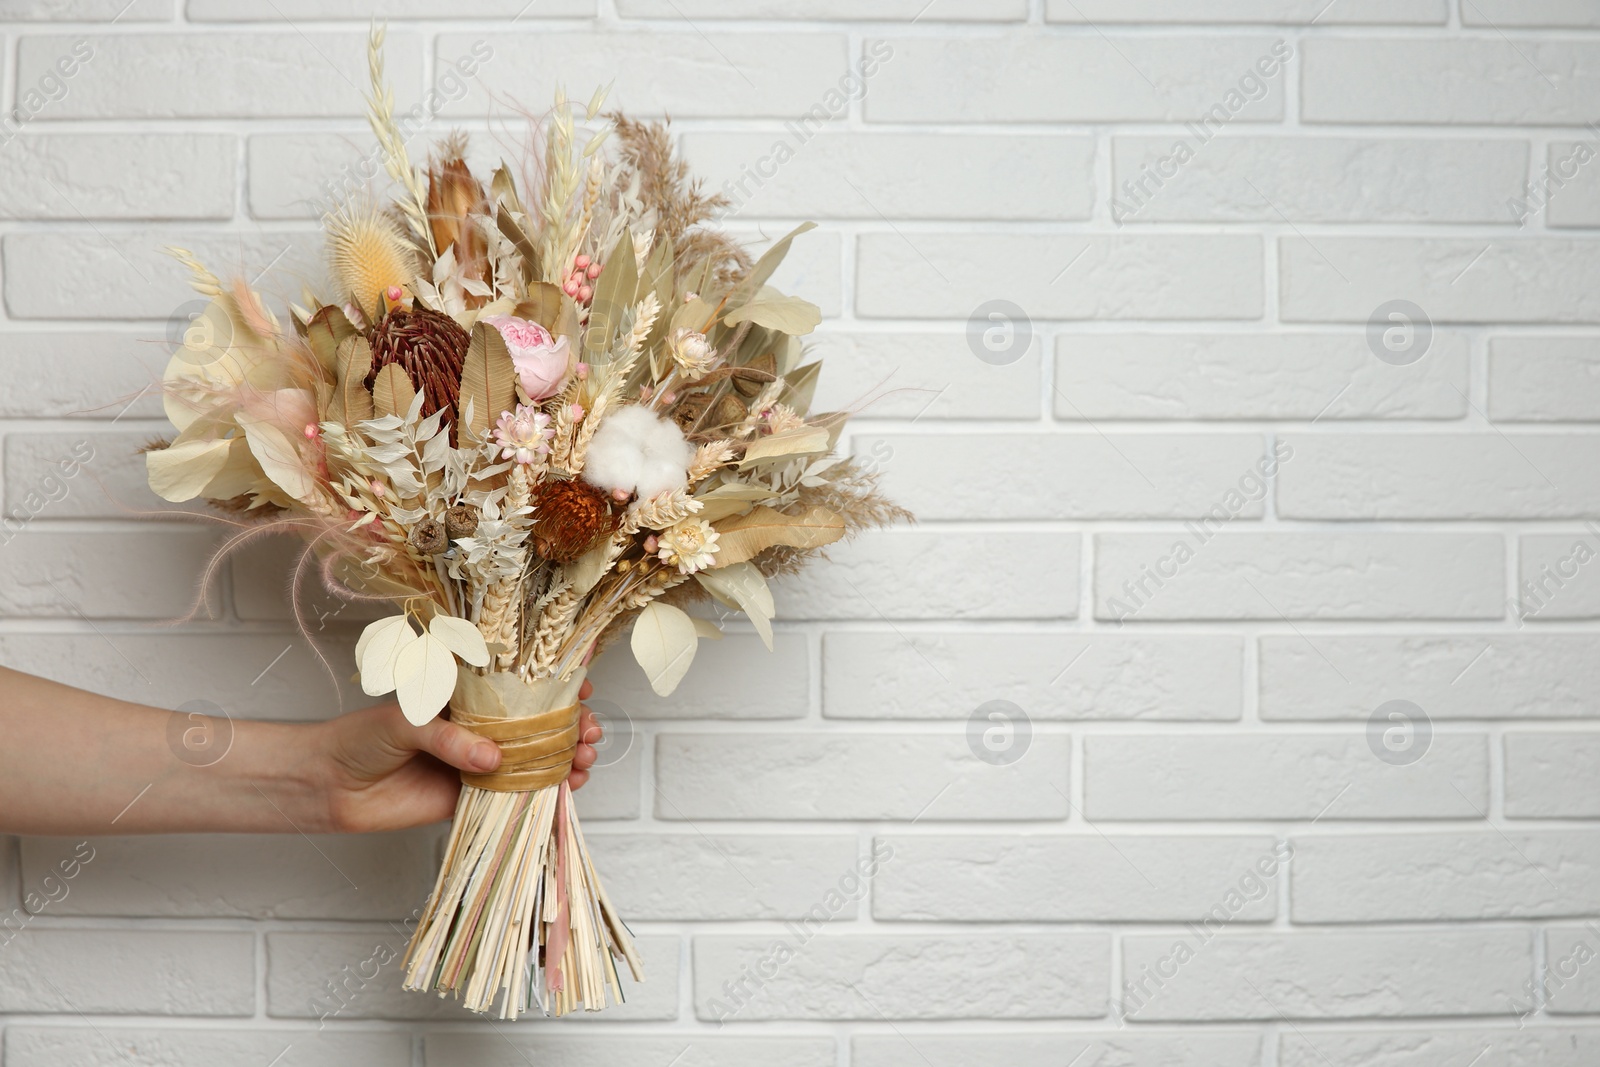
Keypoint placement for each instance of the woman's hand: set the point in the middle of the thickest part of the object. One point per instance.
(378, 772)
(74, 762)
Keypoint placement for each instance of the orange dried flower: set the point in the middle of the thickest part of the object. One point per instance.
(570, 518)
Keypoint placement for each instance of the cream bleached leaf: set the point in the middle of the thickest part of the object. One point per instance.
(664, 643)
(378, 652)
(425, 676)
(804, 441)
(746, 536)
(182, 470)
(279, 458)
(460, 637)
(742, 586)
(774, 310)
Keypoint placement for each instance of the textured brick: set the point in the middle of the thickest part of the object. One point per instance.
(1563, 188)
(90, 10)
(883, 10)
(1544, 379)
(1477, 81)
(869, 175)
(1557, 577)
(1076, 475)
(1575, 13)
(1269, 179)
(1280, 776)
(1453, 279)
(1552, 775)
(675, 877)
(257, 74)
(1105, 1048)
(349, 976)
(132, 278)
(80, 375)
(1077, 878)
(854, 776)
(106, 480)
(117, 176)
(1349, 974)
(1253, 376)
(1450, 676)
(1569, 978)
(255, 676)
(515, 10)
(735, 678)
(613, 788)
(110, 1046)
(1499, 1047)
(128, 972)
(1292, 12)
(676, 70)
(1431, 152)
(517, 1047)
(1440, 476)
(301, 175)
(916, 575)
(1428, 877)
(947, 275)
(144, 575)
(907, 976)
(901, 374)
(1090, 78)
(1298, 575)
(948, 674)
(271, 876)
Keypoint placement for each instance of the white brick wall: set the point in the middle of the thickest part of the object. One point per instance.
(1179, 518)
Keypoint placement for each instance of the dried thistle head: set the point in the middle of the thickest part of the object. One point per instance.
(367, 255)
(569, 518)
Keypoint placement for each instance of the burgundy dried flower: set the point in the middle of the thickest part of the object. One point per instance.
(430, 347)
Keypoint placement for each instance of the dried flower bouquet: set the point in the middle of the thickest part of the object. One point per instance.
(527, 424)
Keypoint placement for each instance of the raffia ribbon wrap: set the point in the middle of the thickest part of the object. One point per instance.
(536, 727)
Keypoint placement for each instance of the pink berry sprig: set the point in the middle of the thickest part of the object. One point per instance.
(577, 285)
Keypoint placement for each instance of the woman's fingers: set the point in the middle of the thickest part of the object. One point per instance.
(589, 734)
(457, 746)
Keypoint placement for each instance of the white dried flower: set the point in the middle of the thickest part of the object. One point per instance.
(781, 418)
(692, 353)
(690, 546)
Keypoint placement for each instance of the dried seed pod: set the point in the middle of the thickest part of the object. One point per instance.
(688, 410)
(461, 521)
(751, 378)
(428, 537)
(727, 412)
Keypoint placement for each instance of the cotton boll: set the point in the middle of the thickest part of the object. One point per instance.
(634, 451)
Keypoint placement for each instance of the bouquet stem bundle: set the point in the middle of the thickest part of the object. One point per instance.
(518, 909)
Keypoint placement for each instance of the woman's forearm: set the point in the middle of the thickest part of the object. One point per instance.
(73, 762)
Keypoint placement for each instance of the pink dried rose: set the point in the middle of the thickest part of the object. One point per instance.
(541, 360)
